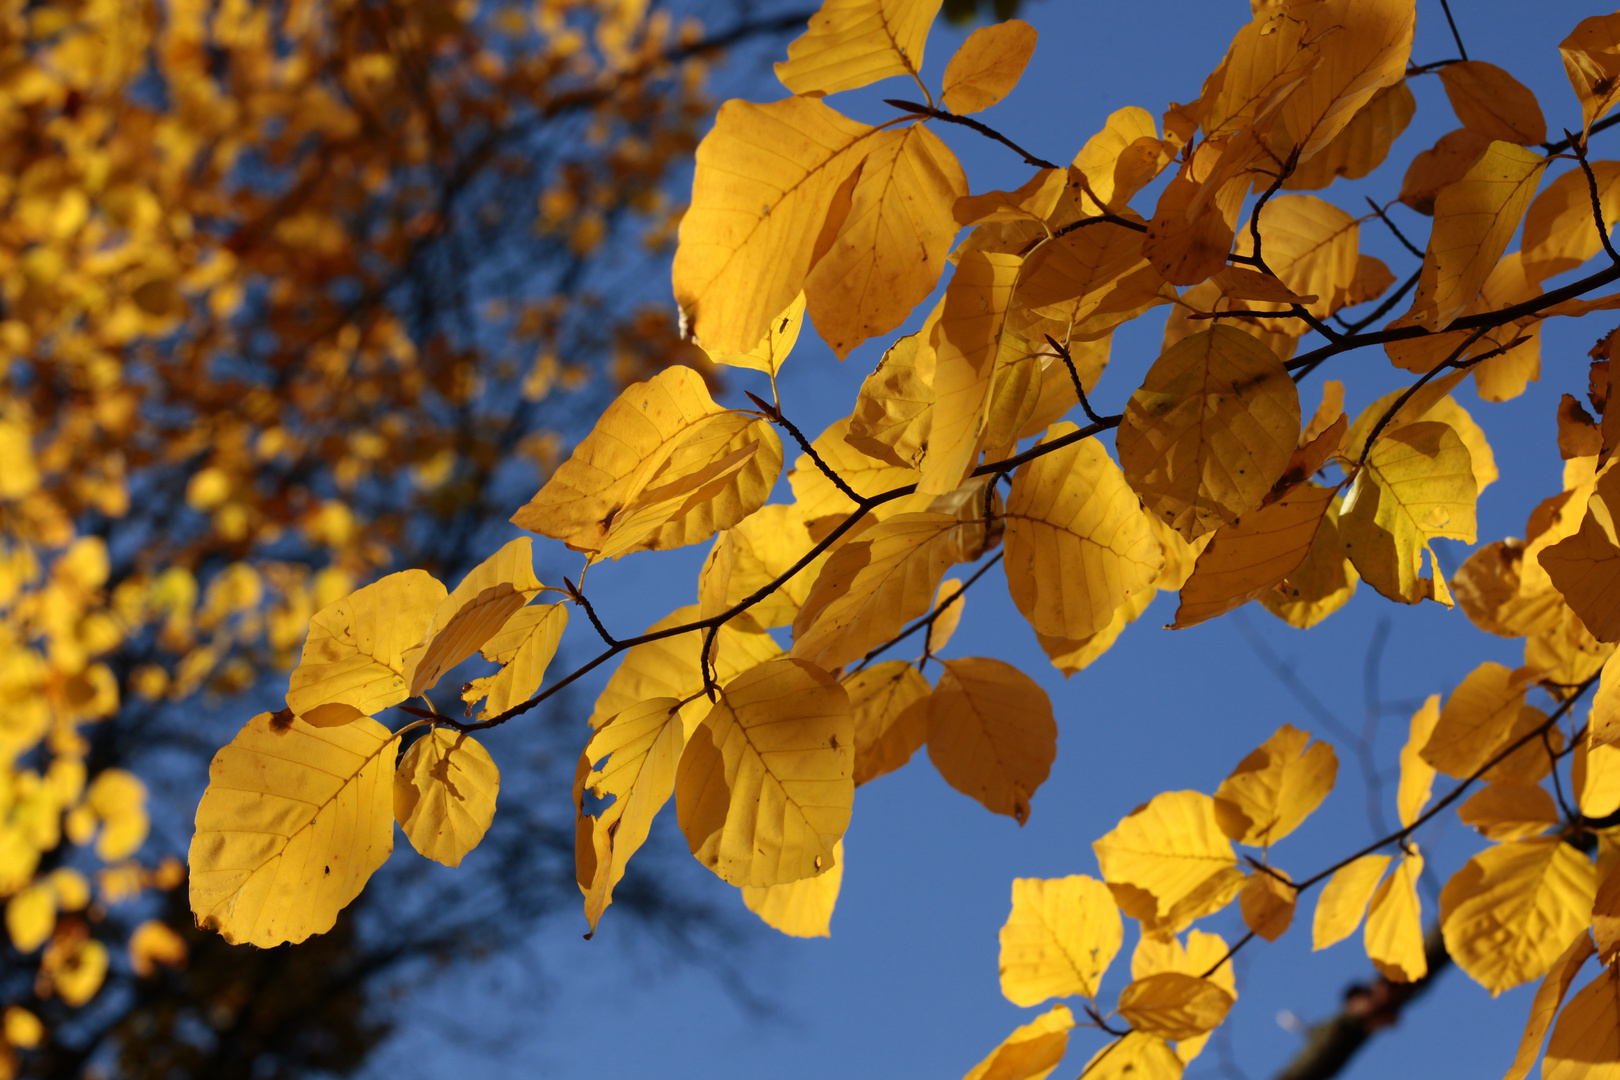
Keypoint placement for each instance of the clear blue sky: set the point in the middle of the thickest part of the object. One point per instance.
(906, 986)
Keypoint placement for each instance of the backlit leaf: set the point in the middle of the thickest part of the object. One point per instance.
(1312, 247)
(949, 602)
(802, 908)
(1549, 997)
(894, 410)
(444, 794)
(1586, 567)
(750, 555)
(1585, 1044)
(1560, 231)
(991, 733)
(1417, 775)
(478, 607)
(1173, 1005)
(987, 66)
(890, 704)
(853, 43)
(1031, 1052)
(294, 821)
(1245, 559)
(1364, 47)
(1137, 1056)
(1592, 61)
(1344, 899)
(1275, 787)
(1168, 848)
(1059, 939)
(1394, 933)
(772, 351)
(1267, 904)
(1490, 101)
(1477, 720)
(1504, 812)
(1595, 776)
(1363, 144)
(523, 647)
(1202, 953)
(1320, 585)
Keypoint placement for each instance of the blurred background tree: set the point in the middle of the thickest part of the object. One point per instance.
(291, 294)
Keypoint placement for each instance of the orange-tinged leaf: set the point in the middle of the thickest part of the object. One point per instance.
(1490, 101)
(1059, 939)
(1511, 910)
(1091, 279)
(1364, 46)
(763, 791)
(1474, 218)
(987, 66)
(355, 659)
(1320, 585)
(802, 908)
(1560, 230)
(889, 253)
(1174, 1005)
(1275, 787)
(1592, 61)
(1078, 545)
(767, 178)
(1606, 917)
(1248, 557)
(153, 943)
(1313, 247)
(265, 867)
(1477, 720)
(1394, 933)
(1267, 904)
(1504, 812)
(1549, 997)
(1585, 1044)
(1031, 1052)
(854, 43)
(1417, 485)
(949, 602)
(1168, 848)
(1137, 1056)
(1213, 894)
(1210, 431)
(991, 733)
(1586, 567)
(1441, 166)
(1120, 159)
(890, 704)
(1417, 775)
(634, 757)
(1032, 202)
(1202, 953)
(1344, 899)
(894, 411)
(473, 612)
(1490, 589)
(444, 794)
(1363, 144)
(523, 647)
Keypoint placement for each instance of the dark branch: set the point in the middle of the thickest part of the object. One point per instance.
(1455, 36)
(1597, 201)
(983, 129)
(1074, 375)
(775, 415)
(1384, 217)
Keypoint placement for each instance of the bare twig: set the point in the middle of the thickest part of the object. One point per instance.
(1455, 36)
(927, 621)
(1074, 375)
(774, 414)
(1383, 216)
(590, 612)
(1597, 201)
(983, 129)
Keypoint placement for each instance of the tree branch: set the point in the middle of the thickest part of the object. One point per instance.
(983, 129)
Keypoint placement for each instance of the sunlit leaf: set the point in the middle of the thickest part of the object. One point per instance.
(1344, 899)
(1059, 939)
(890, 704)
(1031, 1052)
(991, 733)
(444, 794)
(1490, 101)
(1173, 1005)
(1394, 933)
(802, 908)
(852, 43)
(1275, 787)
(987, 66)
(1168, 848)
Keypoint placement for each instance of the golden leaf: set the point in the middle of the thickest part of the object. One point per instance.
(1417, 484)
(890, 704)
(1344, 899)
(153, 943)
(1477, 720)
(1137, 1056)
(1606, 917)
(1492, 593)
(1417, 775)
(1059, 939)
(763, 791)
(820, 504)
(1275, 788)
(767, 178)
(1267, 904)
(295, 819)
(750, 555)
(802, 908)
(1210, 430)
(1169, 848)
(355, 660)
(987, 66)
(1174, 1005)
(1490, 101)
(1313, 248)
(1245, 559)
(1202, 953)
(1560, 232)
(1586, 567)
(1364, 47)
(1511, 910)
(1504, 812)
(1120, 160)
(523, 647)
(1078, 545)
(1072, 655)
(890, 250)
(1452, 155)
(772, 351)
(949, 602)
(894, 410)
(473, 612)
(1363, 144)
(31, 916)
(991, 733)
(1592, 61)
(1549, 996)
(1031, 1052)
(1595, 776)
(1320, 585)
(854, 43)
(444, 794)
(1394, 932)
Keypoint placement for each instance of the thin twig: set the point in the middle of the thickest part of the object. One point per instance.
(1455, 36)
(1395, 406)
(1569, 141)
(982, 129)
(1558, 786)
(1385, 218)
(775, 415)
(590, 612)
(1597, 202)
(1074, 375)
(927, 621)
(1099, 219)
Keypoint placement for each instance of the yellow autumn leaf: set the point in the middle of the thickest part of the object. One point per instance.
(1560, 232)
(1585, 567)
(1078, 545)
(1245, 559)
(473, 612)
(890, 703)
(987, 66)
(1313, 248)
(1169, 848)
(764, 789)
(1344, 899)
(1091, 279)
(641, 748)
(1210, 430)
(30, 917)
(1059, 939)
(819, 503)
(1606, 916)
(991, 733)
(772, 351)
(153, 943)
(1490, 101)
(890, 250)
(853, 43)
(1503, 812)
(1431, 403)
(1174, 1005)
(355, 659)
(1267, 903)
(1394, 932)
(1275, 787)
(1512, 908)
(875, 584)
(295, 819)
(750, 555)
(894, 410)
(22, 1028)
(1137, 1056)
(949, 602)
(1595, 776)
(523, 646)
(1474, 218)
(1417, 775)
(1549, 997)
(1585, 1044)
(444, 794)
(1202, 953)
(1031, 1052)
(1417, 485)
(767, 178)
(968, 341)
(1363, 144)
(1591, 56)
(802, 908)
(1364, 46)
(73, 967)
(1320, 585)
(1120, 160)
(1070, 655)
(1490, 588)
(1477, 720)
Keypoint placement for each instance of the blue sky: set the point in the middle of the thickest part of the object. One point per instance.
(907, 984)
